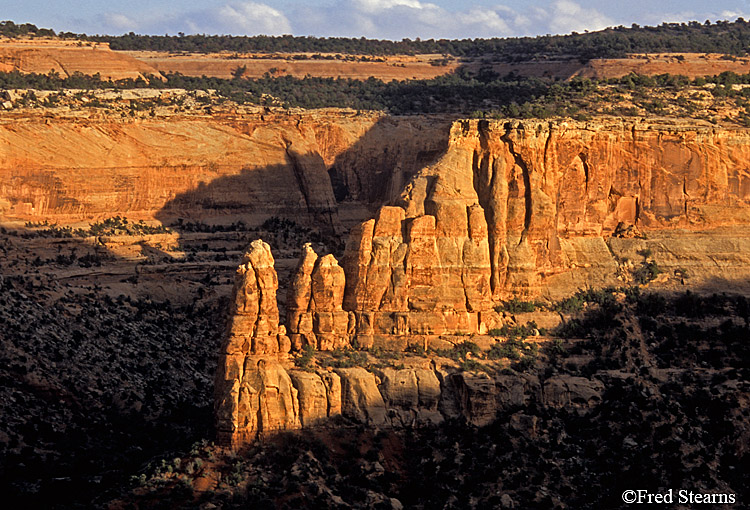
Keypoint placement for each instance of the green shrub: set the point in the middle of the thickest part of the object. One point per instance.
(510, 349)
(516, 305)
(525, 364)
(467, 347)
(470, 365)
(556, 348)
(417, 349)
(459, 351)
(648, 271)
(304, 360)
(515, 331)
(346, 359)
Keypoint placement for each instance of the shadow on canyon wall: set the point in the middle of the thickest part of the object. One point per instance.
(108, 362)
(332, 197)
(97, 385)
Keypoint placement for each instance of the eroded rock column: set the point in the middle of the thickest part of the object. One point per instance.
(254, 394)
(316, 316)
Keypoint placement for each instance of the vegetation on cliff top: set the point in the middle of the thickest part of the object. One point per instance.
(480, 94)
(719, 37)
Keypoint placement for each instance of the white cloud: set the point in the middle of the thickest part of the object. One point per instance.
(568, 16)
(370, 6)
(253, 18)
(388, 19)
(396, 19)
(732, 15)
(239, 18)
(120, 22)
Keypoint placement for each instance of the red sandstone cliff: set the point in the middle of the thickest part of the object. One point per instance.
(551, 191)
(249, 167)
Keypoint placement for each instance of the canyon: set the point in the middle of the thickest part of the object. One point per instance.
(511, 208)
(548, 206)
(423, 227)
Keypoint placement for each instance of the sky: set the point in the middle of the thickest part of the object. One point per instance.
(382, 19)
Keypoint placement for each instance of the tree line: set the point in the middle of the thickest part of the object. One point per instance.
(462, 92)
(732, 38)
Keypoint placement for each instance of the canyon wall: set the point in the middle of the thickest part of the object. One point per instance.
(326, 168)
(518, 207)
(554, 193)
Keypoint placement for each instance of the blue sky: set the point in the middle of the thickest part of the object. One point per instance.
(389, 19)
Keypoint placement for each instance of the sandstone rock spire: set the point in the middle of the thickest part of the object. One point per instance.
(315, 314)
(254, 394)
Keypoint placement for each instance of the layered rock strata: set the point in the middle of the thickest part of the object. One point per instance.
(326, 168)
(424, 275)
(554, 192)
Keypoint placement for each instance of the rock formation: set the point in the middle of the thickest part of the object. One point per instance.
(254, 394)
(315, 314)
(424, 275)
(257, 392)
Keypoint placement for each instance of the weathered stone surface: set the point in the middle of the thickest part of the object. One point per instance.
(313, 397)
(257, 399)
(475, 396)
(552, 191)
(332, 382)
(411, 396)
(360, 398)
(71, 167)
(254, 394)
(572, 392)
(254, 323)
(315, 314)
(419, 275)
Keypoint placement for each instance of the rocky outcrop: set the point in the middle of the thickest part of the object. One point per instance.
(315, 314)
(258, 393)
(426, 275)
(412, 396)
(360, 398)
(254, 394)
(314, 397)
(254, 324)
(269, 397)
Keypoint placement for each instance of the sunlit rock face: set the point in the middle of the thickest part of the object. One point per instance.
(315, 314)
(510, 208)
(254, 394)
